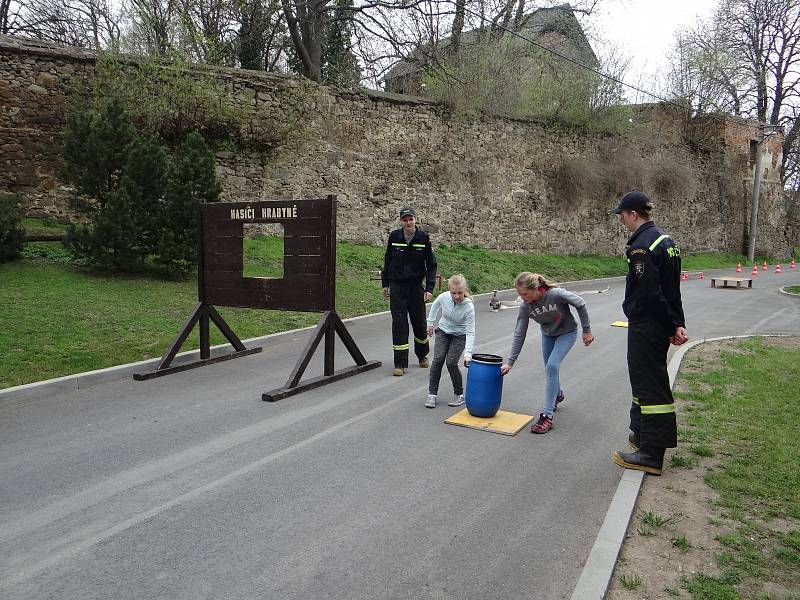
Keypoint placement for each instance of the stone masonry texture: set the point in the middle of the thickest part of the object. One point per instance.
(492, 182)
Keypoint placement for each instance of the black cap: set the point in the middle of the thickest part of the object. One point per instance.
(633, 201)
(407, 212)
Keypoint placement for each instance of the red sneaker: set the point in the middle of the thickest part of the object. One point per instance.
(543, 424)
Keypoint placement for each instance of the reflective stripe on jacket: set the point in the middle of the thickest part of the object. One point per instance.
(409, 262)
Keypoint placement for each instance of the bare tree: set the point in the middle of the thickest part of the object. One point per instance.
(609, 92)
(210, 29)
(306, 21)
(262, 37)
(412, 30)
(86, 23)
(766, 33)
(8, 14)
(747, 62)
(458, 25)
(153, 26)
(266, 34)
(791, 149)
(706, 74)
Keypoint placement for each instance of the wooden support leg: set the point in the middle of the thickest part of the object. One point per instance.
(205, 343)
(308, 351)
(166, 359)
(329, 325)
(200, 316)
(330, 347)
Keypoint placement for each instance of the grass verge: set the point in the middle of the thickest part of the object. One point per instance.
(748, 410)
(59, 318)
(42, 227)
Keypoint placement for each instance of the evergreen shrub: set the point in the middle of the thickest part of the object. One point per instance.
(11, 233)
(140, 201)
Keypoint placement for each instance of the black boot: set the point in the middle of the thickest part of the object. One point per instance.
(650, 460)
(633, 441)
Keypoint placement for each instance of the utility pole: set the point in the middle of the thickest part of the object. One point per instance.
(751, 247)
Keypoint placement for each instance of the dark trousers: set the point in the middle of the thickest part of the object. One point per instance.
(447, 350)
(407, 302)
(653, 407)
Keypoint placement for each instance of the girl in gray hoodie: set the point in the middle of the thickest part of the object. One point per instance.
(549, 306)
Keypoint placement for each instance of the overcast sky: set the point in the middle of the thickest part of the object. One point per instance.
(645, 29)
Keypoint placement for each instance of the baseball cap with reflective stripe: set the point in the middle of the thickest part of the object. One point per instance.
(637, 201)
(407, 212)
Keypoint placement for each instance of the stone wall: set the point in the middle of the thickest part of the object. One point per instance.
(493, 183)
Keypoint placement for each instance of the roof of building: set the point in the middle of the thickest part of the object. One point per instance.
(558, 20)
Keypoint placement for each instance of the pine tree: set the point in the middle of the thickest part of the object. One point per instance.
(96, 150)
(339, 65)
(144, 183)
(121, 177)
(191, 180)
(139, 205)
(252, 34)
(11, 234)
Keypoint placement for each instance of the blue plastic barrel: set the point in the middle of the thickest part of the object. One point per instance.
(484, 385)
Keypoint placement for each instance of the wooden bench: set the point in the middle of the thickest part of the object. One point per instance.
(737, 280)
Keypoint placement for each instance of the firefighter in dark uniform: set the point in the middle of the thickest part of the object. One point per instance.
(655, 320)
(408, 278)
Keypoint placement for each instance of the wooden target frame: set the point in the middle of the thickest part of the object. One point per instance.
(308, 285)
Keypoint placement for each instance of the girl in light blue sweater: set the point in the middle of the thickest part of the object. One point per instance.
(454, 335)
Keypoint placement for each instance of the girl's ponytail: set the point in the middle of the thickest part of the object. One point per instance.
(533, 281)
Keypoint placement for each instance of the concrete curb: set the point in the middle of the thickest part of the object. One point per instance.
(783, 291)
(596, 574)
(78, 381)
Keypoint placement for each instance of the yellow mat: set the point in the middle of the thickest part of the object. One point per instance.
(619, 324)
(506, 423)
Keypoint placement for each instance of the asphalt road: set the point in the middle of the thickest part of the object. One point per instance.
(189, 486)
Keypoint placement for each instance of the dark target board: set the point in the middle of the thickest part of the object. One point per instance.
(308, 284)
(309, 255)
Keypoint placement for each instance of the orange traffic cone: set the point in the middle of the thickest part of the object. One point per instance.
(755, 271)
(701, 275)
(778, 269)
(791, 265)
(684, 277)
(764, 268)
(738, 267)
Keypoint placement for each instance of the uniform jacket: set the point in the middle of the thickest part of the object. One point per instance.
(410, 262)
(652, 287)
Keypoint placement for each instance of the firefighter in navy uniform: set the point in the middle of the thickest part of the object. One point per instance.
(655, 320)
(408, 278)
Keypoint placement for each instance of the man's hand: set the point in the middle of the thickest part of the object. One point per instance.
(680, 336)
(385, 293)
(430, 330)
(588, 338)
(427, 296)
(466, 360)
(504, 369)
